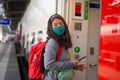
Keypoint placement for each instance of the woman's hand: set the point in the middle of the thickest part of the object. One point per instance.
(78, 66)
(81, 67)
(75, 62)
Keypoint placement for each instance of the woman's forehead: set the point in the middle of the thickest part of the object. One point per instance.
(57, 20)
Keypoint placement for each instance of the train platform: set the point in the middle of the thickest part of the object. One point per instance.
(9, 67)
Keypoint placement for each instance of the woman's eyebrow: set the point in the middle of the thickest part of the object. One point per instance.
(60, 22)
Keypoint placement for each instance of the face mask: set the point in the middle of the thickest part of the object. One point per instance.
(59, 30)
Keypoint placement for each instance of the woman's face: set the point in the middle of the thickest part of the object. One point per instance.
(57, 22)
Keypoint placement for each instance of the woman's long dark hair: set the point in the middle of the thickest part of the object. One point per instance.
(63, 40)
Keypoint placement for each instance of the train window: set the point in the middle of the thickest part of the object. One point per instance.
(33, 34)
(40, 36)
(33, 38)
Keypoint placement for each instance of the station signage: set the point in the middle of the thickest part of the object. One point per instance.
(5, 21)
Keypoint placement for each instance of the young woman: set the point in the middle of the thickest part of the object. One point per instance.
(58, 34)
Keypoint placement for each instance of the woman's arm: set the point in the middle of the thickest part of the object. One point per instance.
(50, 62)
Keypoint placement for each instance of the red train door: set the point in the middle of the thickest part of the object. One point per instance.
(109, 58)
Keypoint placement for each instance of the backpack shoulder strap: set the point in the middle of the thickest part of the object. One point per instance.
(59, 53)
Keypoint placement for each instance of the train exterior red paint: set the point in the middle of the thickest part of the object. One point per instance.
(109, 58)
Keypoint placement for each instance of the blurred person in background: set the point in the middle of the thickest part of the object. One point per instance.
(17, 40)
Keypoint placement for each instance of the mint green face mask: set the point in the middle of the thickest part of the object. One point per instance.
(59, 30)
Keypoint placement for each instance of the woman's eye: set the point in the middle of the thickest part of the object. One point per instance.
(61, 23)
(55, 25)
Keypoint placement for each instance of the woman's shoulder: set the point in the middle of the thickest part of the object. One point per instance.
(52, 42)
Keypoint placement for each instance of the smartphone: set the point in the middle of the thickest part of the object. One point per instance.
(82, 58)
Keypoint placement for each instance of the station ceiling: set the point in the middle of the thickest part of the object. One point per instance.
(14, 10)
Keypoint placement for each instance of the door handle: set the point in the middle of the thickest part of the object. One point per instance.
(93, 65)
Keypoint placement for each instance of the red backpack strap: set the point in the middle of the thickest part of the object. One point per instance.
(59, 53)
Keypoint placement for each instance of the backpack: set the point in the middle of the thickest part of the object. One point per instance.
(36, 60)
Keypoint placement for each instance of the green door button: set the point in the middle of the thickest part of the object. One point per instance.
(77, 49)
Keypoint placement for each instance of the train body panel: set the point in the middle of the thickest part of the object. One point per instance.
(96, 39)
(109, 58)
